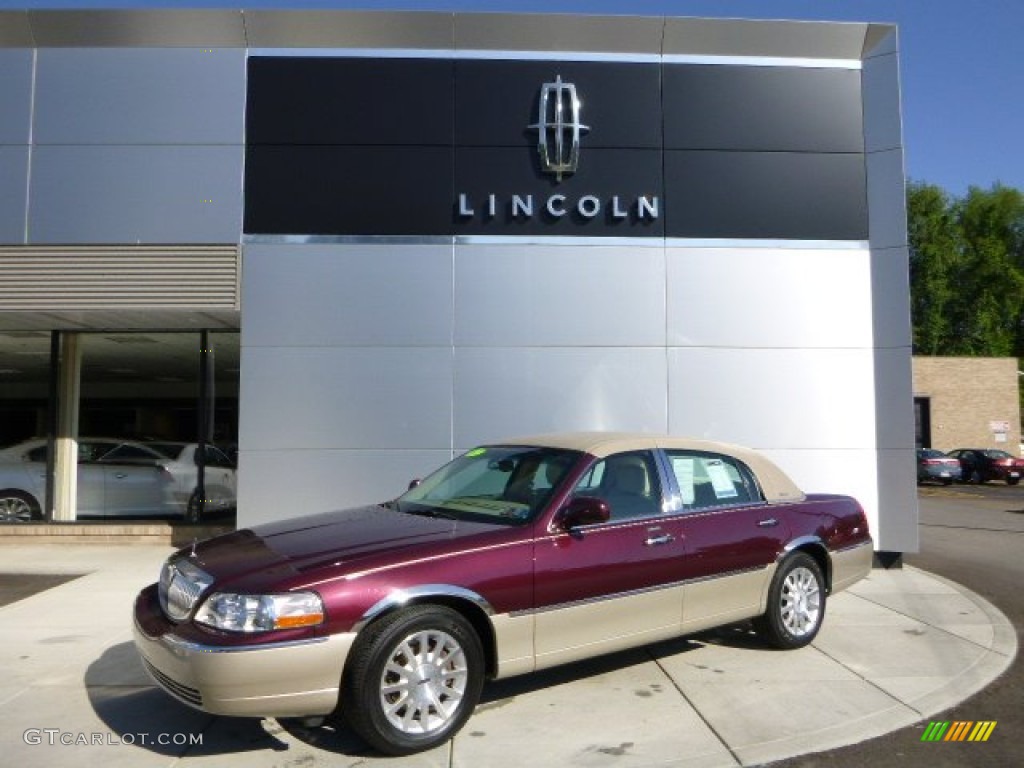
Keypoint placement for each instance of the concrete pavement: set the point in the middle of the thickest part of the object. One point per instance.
(896, 649)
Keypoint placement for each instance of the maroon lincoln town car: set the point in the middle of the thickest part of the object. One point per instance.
(513, 557)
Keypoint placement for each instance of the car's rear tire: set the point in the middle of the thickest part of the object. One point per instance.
(413, 679)
(796, 603)
(18, 507)
(1012, 480)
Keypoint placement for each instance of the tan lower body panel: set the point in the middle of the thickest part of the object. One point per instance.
(285, 680)
(590, 629)
(735, 597)
(851, 565)
(513, 638)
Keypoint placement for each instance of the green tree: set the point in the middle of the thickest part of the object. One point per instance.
(967, 271)
(935, 250)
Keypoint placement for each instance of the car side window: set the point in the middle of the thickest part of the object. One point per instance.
(627, 482)
(92, 452)
(215, 457)
(710, 480)
(128, 454)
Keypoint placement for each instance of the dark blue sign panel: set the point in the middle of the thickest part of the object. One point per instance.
(353, 146)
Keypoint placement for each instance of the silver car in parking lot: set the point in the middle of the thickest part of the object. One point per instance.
(117, 478)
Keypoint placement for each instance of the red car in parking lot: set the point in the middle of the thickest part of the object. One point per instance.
(979, 465)
(514, 557)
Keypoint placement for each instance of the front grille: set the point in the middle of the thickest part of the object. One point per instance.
(181, 586)
(173, 687)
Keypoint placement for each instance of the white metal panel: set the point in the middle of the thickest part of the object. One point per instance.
(132, 27)
(318, 398)
(880, 78)
(15, 95)
(136, 194)
(887, 202)
(894, 398)
(784, 398)
(301, 29)
(768, 38)
(570, 296)
(279, 484)
(13, 193)
(67, 278)
(769, 298)
(558, 33)
(890, 297)
(894, 524)
(501, 392)
(343, 295)
(139, 96)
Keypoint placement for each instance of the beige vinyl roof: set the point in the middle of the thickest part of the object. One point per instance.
(776, 484)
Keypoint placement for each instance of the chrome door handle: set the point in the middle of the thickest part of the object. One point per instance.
(654, 541)
(771, 522)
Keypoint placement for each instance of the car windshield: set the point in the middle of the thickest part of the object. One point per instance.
(503, 484)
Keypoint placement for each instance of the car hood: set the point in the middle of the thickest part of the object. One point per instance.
(349, 540)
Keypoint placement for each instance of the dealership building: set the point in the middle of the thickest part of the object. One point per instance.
(350, 245)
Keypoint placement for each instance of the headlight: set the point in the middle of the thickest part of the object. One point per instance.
(261, 613)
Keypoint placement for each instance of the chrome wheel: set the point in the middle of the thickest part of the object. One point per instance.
(796, 603)
(412, 679)
(800, 602)
(424, 682)
(15, 509)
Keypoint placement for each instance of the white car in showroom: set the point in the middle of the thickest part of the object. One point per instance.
(118, 478)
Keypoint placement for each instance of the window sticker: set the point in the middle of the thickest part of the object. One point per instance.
(476, 452)
(720, 480)
(683, 467)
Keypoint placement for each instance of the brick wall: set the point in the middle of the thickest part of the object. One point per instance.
(969, 397)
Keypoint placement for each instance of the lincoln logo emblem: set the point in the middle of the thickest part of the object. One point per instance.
(558, 128)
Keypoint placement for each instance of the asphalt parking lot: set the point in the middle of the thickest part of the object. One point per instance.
(898, 649)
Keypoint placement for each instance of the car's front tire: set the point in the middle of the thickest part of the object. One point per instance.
(796, 603)
(413, 679)
(18, 507)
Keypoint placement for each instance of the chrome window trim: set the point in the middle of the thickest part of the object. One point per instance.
(676, 495)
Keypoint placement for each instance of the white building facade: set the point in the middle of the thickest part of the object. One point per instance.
(435, 230)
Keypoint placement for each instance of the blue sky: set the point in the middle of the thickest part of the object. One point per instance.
(961, 62)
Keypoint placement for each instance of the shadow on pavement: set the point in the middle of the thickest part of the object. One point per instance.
(139, 713)
(136, 711)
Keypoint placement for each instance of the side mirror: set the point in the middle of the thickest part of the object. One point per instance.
(585, 510)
